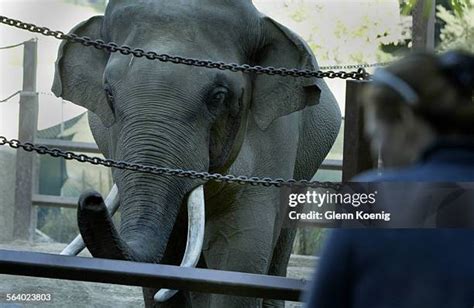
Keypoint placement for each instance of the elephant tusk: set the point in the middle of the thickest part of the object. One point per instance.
(192, 253)
(77, 245)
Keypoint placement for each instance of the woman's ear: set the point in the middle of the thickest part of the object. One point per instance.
(276, 96)
(79, 72)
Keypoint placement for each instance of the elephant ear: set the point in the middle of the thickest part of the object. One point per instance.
(276, 96)
(79, 72)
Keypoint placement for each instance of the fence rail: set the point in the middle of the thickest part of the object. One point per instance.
(331, 164)
(69, 145)
(54, 201)
(45, 265)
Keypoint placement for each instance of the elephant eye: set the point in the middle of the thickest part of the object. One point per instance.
(217, 99)
(219, 96)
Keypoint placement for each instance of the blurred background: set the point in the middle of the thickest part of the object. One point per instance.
(340, 32)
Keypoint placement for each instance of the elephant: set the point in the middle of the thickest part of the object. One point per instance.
(192, 118)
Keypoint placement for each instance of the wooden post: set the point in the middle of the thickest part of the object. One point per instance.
(24, 216)
(423, 25)
(356, 154)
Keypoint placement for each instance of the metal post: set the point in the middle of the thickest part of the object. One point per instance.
(24, 216)
(423, 25)
(356, 154)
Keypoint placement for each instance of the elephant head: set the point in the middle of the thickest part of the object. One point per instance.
(170, 115)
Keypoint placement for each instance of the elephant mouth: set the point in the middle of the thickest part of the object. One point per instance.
(103, 240)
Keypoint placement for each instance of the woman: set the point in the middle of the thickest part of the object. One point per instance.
(420, 118)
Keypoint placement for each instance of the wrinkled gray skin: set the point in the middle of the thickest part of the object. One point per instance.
(201, 119)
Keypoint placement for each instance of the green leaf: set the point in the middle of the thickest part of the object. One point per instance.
(407, 6)
(457, 7)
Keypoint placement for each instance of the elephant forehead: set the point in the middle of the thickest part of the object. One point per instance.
(169, 12)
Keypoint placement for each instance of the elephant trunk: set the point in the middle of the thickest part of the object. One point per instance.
(149, 203)
(98, 231)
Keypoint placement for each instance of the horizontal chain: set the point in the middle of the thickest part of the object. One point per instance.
(206, 176)
(355, 66)
(10, 97)
(30, 94)
(360, 74)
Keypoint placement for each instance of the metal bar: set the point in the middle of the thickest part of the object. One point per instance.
(24, 215)
(423, 25)
(54, 201)
(356, 153)
(69, 145)
(36, 264)
(331, 164)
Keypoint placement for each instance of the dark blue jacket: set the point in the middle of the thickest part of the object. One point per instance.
(370, 268)
(445, 161)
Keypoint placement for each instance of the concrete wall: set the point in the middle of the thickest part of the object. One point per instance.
(7, 192)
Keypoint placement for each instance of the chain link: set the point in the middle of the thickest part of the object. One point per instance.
(360, 74)
(355, 66)
(10, 97)
(206, 176)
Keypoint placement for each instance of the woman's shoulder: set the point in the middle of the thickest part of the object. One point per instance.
(389, 175)
(420, 172)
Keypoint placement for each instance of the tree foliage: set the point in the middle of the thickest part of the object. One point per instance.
(458, 32)
(348, 32)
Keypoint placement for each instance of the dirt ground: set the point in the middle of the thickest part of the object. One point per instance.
(85, 294)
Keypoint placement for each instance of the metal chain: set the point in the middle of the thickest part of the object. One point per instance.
(48, 94)
(29, 93)
(355, 66)
(10, 97)
(360, 74)
(216, 177)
